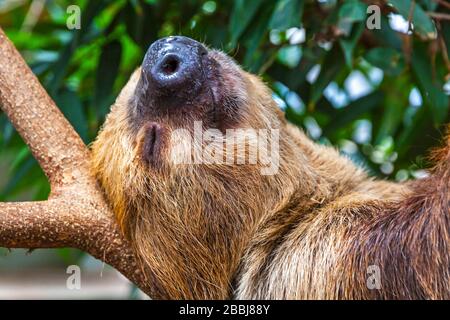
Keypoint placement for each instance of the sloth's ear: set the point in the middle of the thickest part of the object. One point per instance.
(128, 90)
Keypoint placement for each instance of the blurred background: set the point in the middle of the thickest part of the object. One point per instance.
(375, 85)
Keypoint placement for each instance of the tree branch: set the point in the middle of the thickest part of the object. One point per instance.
(52, 140)
(76, 215)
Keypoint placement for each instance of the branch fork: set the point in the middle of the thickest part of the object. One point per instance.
(76, 213)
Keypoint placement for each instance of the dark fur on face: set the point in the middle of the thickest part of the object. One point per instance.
(216, 99)
(311, 230)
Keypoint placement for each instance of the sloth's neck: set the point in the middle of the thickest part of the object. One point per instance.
(201, 225)
(195, 229)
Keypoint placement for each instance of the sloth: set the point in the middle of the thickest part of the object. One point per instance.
(315, 227)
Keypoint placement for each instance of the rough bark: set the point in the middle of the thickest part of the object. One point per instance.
(76, 214)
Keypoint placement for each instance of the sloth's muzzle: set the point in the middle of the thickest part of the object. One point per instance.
(174, 65)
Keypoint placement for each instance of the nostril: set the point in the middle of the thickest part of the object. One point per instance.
(173, 70)
(170, 65)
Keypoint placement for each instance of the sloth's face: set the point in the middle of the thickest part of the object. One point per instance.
(150, 162)
(181, 80)
(182, 83)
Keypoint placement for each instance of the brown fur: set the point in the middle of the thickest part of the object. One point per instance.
(308, 232)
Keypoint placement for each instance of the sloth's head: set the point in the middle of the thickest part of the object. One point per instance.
(183, 86)
(182, 81)
(170, 188)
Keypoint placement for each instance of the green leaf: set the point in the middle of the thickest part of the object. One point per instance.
(20, 176)
(296, 77)
(241, 16)
(70, 255)
(287, 14)
(430, 86)
(393, 107)
(43, 190)
(354, 111)
(21, 156)
(7, 130)
(255, 35)
(107, 71)
(389, 60)
(446, 35)
(409, 133)
(330, 68)
(352, 11)
(423, 24)
(348, 45)
(410, 141)
(429, 5)
(387, 36)
(72, 108)
(60, 66)
(290, 56)
(142, 21)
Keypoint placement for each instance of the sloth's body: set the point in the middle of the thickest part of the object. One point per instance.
(318, 228)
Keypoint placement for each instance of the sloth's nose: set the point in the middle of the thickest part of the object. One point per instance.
(174, 63)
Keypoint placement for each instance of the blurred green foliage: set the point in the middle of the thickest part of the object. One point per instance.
(381, 96)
